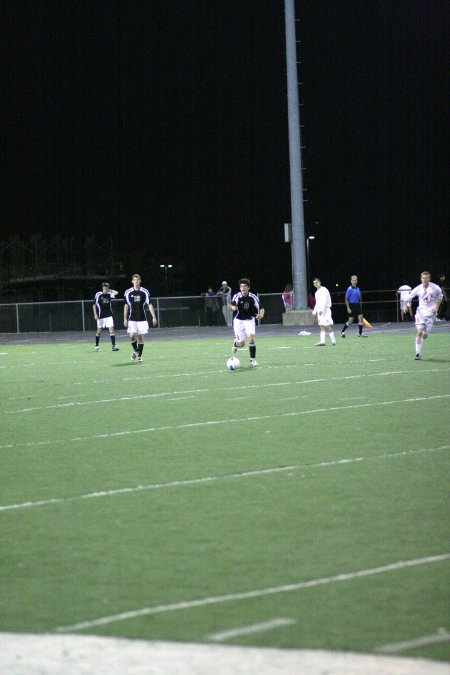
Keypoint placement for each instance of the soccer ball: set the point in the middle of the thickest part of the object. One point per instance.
(233, 363)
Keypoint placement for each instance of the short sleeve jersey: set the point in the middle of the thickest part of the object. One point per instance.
(247, 306)
(102, 302)
(404, 291)
(136, 301)
(427, 297)
(353, 294)
(323, 300)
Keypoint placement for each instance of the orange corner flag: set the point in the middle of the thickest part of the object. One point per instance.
(366, 323)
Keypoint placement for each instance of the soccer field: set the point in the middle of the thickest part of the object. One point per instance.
(301, 504)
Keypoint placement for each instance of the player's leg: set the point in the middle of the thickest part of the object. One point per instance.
(250, 330)
(239, 335)
(346, 325)
(133, 340)
(321, 342)
(360, 324)
(420, 335)
(140, 347)
(330, 331)
(112, 335)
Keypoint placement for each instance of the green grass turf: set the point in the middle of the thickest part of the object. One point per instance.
(212, 515)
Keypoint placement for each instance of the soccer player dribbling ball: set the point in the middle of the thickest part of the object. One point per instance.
(246, 309)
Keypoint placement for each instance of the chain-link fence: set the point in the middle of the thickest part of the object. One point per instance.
(172, 312)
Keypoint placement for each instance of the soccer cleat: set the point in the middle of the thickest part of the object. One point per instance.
(333, 342)
(319, 344)
(342, 334)
(134, 356)
(115, 349)
(253, 362)
(97, 349)
(418, 357)
(139, 358)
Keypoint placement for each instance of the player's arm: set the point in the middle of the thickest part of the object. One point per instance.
(152, 312)
(438, 302)
(347, 304)
(125, 314)
(94, 307)
(410, 297)
(261, 312)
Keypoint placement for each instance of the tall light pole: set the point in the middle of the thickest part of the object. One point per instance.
(165, 268)
(295, 163)
(308, 239)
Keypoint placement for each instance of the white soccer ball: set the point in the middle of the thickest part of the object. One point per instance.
(233, 363)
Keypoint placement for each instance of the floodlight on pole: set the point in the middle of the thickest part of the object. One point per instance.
(165, 267)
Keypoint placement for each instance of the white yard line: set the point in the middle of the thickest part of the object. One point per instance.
(423, 641)
(257, 593)
(212, 479)
(249, 630)
(212, 423)
(317, 380)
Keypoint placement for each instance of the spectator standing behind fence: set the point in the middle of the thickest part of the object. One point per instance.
(430, 298)
(137, 298)
(353, 302)
(224, 293)
(287, 297)
(405, 308)
(103, 315)
(322, 309)
(211, 307)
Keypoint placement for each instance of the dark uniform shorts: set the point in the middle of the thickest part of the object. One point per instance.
(355, 309)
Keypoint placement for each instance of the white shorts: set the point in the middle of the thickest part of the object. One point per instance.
(137, 327)
(404, 305)
(108, 322)
(325, 319)
(425, 321)
(243, 327)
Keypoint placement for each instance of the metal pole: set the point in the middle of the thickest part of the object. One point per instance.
(297, 215)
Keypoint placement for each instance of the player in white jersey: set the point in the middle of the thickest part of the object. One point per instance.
(246, 309)
(430, 298)
(322, 309)
(403, 293)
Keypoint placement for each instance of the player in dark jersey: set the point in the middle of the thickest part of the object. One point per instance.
(137, 299)
(245, 307)
(103, 315)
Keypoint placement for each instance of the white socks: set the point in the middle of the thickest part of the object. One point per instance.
(419, 343)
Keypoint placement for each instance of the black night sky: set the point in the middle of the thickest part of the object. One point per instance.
(163, 123)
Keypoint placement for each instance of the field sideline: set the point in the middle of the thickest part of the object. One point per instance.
(296, 508)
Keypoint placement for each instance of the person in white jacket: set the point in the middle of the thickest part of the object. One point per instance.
(322, 310)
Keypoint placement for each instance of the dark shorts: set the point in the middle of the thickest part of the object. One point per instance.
(355, 309)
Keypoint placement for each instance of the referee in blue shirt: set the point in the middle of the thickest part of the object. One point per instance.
(353, 301)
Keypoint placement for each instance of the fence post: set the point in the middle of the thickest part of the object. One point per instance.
(17, 318)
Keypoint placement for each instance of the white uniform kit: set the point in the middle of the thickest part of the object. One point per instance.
(428, 297)
(322, 308)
